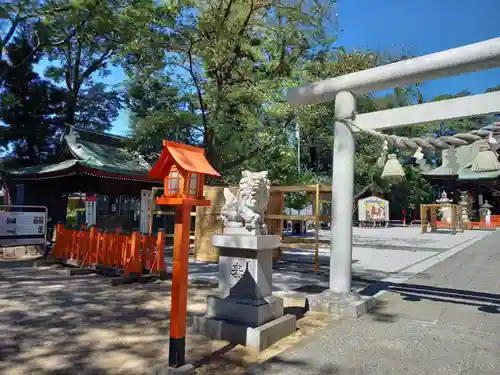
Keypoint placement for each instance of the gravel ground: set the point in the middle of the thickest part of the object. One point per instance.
(51, 323)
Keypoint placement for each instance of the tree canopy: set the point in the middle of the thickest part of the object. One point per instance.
(209, 73)
(30, 107)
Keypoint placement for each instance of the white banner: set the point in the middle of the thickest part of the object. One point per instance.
(15, 224)
(146, 200)
(91, 210)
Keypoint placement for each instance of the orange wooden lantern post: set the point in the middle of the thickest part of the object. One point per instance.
(183, 169)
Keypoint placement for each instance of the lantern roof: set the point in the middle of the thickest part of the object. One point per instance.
(184, 157)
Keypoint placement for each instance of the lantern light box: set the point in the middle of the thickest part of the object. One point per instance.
(182, 169)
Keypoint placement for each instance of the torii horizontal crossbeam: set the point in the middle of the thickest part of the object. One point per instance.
(471, 58)
(467, 106)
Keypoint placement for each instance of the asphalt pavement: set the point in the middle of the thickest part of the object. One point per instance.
(444, 320)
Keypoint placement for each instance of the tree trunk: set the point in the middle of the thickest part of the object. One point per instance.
(33, 152)
(71, 109)
(208, 144)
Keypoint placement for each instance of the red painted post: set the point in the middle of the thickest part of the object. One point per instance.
(178, 309)
(84, 245)
(70, 250)
(92, 246)
(105, 249)
(97, 249)
(120, 250)
(78, 245)
(144, 251)
(58, 249)
(124, 251)
(179, 166)
(160, 253)
(133, 265)
(109, 250)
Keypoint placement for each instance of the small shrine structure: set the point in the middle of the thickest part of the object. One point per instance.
(91, 163)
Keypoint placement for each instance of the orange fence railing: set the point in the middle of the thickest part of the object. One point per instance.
(132, 254)
(483, 225)
(472, 225)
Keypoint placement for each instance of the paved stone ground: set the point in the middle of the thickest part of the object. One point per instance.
(378, 254)
(446, 321)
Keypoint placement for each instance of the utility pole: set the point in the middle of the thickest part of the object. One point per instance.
(297, 136)
(373, 187)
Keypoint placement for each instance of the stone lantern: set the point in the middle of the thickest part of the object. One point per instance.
(464, 209)
(445, 211)
(486, 212)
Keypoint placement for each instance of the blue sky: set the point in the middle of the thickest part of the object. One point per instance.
(420, 27)
(417, 27)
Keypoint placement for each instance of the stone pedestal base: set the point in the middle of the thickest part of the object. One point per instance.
(50, 261)
(349, 305)
(249, 312)
(244, 311)
(183, 370)
(257, 338)
(465, 224)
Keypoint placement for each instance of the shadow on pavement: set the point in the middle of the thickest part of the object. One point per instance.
(379, 313)
(485, 302)
(6, 263)
(273, 365)
(54, 324)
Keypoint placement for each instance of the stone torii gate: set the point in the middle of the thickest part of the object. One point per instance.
(471, 58)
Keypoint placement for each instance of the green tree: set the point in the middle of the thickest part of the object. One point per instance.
(159, 111)
(26, 15)
(13, 16)
(30, 107)
(317, 121)
(235, 58)
(95, 33)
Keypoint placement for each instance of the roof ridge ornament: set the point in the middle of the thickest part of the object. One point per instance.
(452, 159)
(92, 159)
